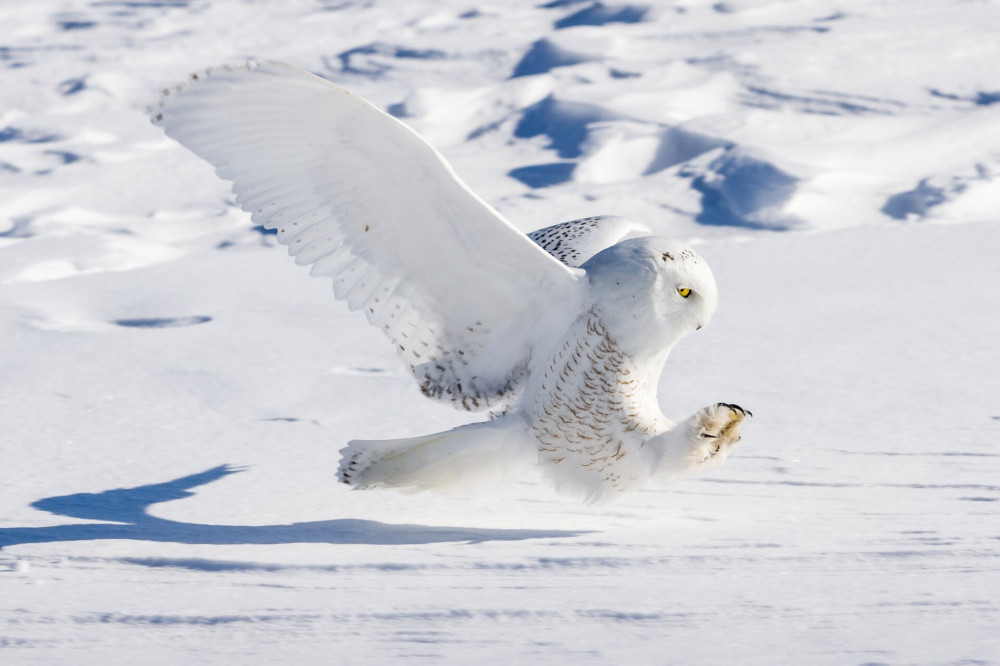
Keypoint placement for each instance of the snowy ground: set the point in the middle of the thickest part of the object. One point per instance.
(173, 392)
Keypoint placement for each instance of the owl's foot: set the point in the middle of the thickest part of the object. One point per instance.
(699, 443)
(718, 430)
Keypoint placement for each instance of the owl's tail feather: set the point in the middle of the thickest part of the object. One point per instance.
(467, 456)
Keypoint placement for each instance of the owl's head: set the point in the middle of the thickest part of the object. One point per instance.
(654, 291)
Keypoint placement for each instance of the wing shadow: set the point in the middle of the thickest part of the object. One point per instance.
(126, 509)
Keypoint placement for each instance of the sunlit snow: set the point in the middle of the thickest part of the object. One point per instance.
(174, 391)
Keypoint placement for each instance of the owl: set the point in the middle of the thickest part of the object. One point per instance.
(560, 335)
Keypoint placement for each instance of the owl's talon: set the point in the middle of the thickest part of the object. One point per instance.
(734, 407)
(719, 423)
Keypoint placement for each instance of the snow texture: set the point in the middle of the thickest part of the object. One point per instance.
(174, 391)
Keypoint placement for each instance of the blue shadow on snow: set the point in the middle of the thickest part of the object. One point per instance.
(566, 124)
(126, 509)
(741, 190)
(601, 14)
(544, 56)
(162, 322)
(544, 175)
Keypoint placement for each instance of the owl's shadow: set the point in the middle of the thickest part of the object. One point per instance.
(126, 509)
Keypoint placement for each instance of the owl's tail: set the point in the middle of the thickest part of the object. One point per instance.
(467, 456)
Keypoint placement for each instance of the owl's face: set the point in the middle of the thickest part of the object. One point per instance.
(659, 288)
(684, 290)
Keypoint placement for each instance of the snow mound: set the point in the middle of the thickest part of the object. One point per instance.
(741, 188)
(544, 175)
(544, 55)
(564, 123)
(976, 193)
(600, 14)
(376, 59)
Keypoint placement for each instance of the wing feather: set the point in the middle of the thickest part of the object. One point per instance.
(361, 198)
(574, 242)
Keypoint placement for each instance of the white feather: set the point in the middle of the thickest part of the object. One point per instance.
(574, 242)
(360, 196)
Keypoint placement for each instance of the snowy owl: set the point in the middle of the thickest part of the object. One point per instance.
(561, 334)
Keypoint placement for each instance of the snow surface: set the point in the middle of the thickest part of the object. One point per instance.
(173, 391)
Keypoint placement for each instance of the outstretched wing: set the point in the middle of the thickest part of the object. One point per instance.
(351, 190)
(574, 242)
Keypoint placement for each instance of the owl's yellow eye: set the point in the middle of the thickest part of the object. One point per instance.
(684, 292)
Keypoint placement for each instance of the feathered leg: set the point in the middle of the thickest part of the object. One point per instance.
(466, 456)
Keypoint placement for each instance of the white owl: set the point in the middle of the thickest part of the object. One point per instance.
(562, 334)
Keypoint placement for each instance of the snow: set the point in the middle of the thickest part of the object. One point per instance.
(174, 390)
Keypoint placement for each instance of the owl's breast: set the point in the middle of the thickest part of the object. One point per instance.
(593, 411)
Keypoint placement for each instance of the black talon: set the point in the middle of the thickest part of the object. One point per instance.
(736, 408)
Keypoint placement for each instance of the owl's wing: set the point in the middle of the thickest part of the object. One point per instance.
(351, 190)
(574, 242)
